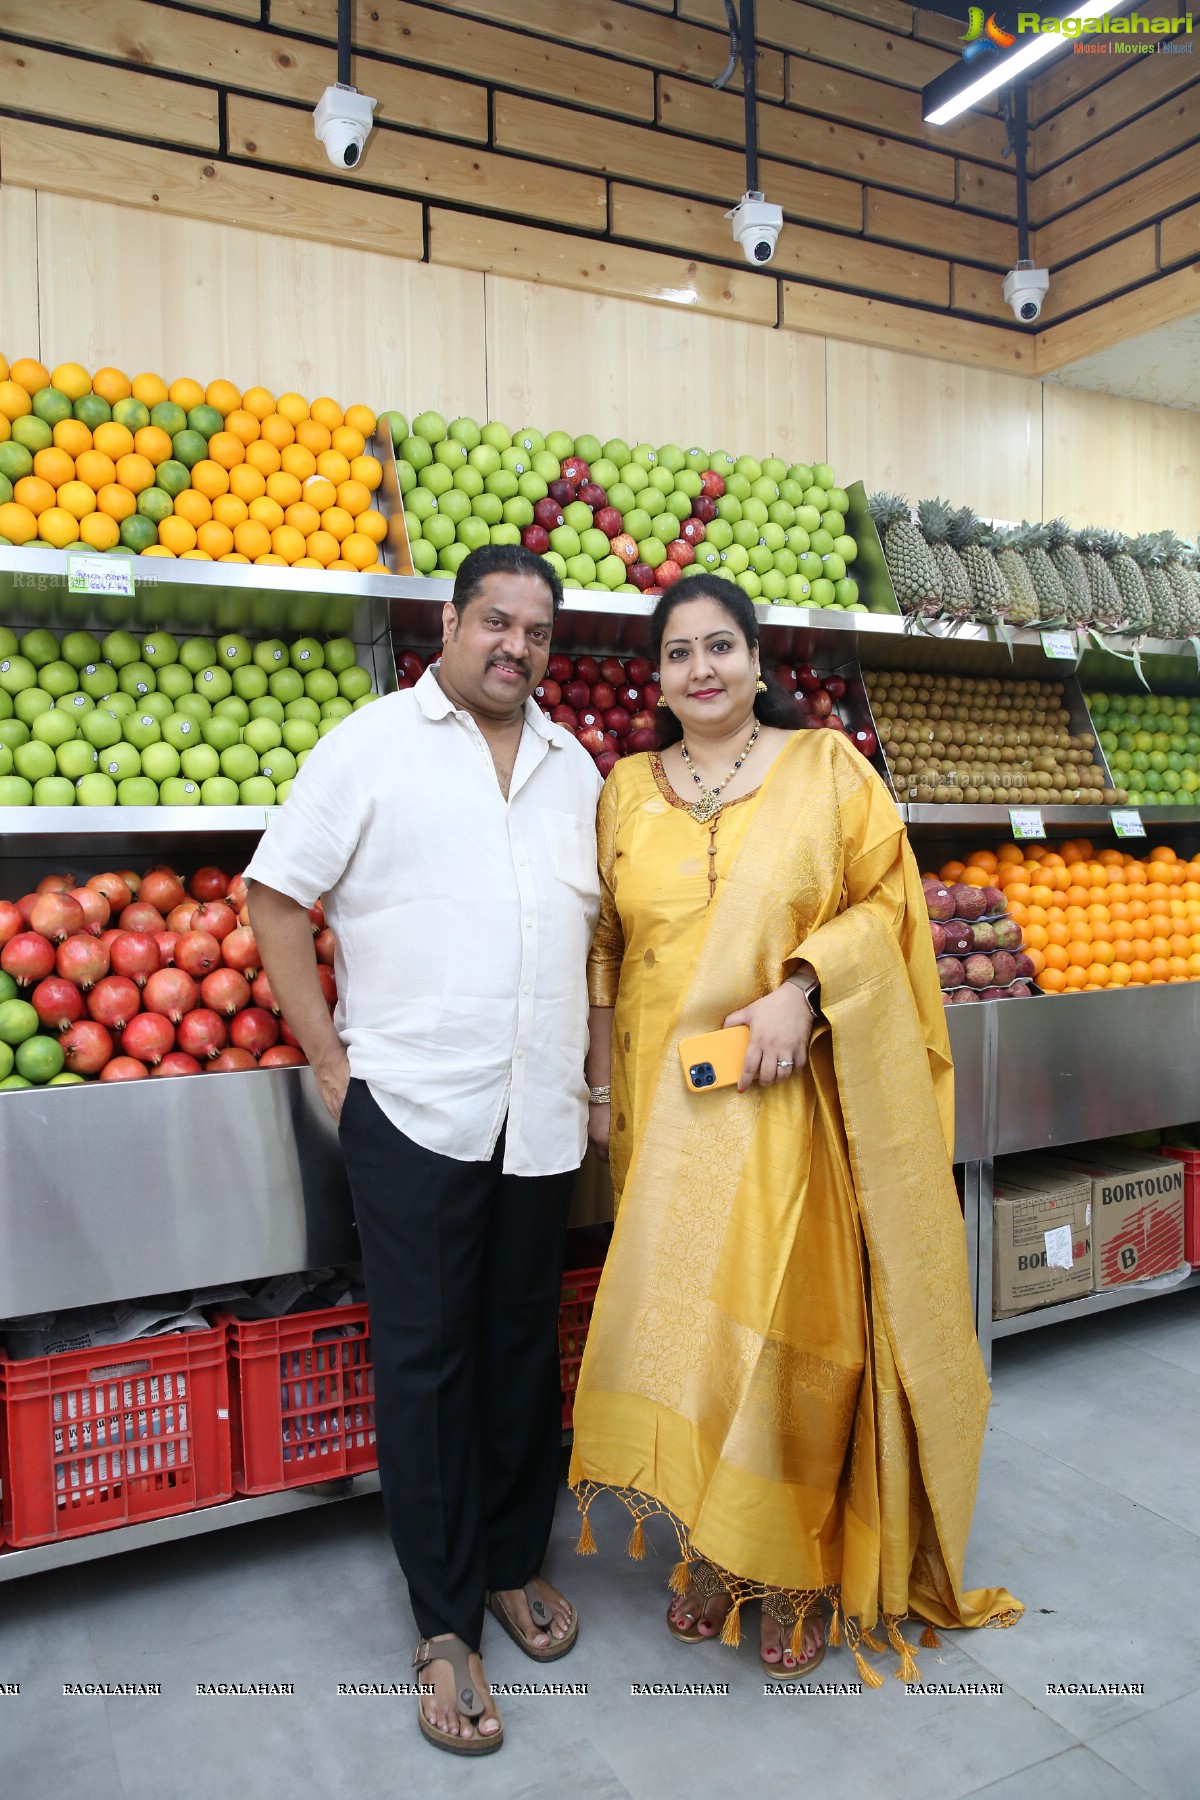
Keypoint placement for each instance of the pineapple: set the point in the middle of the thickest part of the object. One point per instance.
(989, 594)
(1107, 610)
(1022, 607)
(1182, 587)
(915, 574)
(1130, 582)
(1071, 572)
(1164, 608)
(935, 517)
(1033, 542)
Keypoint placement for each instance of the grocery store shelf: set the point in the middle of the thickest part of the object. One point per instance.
(1060, 821)
(1106, 1301)
(243, 1511)
(49, 830)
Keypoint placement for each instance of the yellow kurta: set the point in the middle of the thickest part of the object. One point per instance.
(782, 1354)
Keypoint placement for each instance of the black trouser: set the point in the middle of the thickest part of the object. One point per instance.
(463, 1269)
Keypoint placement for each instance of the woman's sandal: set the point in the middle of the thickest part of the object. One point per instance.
(703, 1580)
(779, 1609)
(543, 1619)
(468, 1700)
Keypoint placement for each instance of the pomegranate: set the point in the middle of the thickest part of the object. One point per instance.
(287, 1035)
(325, 944)
(181, 918)
(237, 892)
(317, 915)
(216, 918)
(201, 1034)
(177, 1063)
(162, 888)
(114, 1001)
(108, 938)
(140, 917)
(58, 1003)
(55, 884)
(135, 953)
(87, 1046)
(83, 960)
(56, 915)
(28, 958)
(225, 991)
(25, 906)
(328, 982)
(170, 992)
(240, 951)
(260, 993)
(124, 1068)
(209, 884)
(10, 921)
(132, 880)
(254, 1029)
(96, 910)
(148, 1038)
(282, 1056)
(115, 891)
(197, 952)
(232, 1062)
(166, 941)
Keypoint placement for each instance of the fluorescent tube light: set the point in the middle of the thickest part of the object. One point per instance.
(999, 70)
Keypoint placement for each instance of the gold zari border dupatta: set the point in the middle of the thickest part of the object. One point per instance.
(783, 1357)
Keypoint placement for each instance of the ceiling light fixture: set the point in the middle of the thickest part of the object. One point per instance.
(967, 84)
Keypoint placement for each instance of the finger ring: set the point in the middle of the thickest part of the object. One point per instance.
(784, 1062)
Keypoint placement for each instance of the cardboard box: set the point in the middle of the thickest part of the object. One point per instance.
(1041, 1236)
(1137, 1211)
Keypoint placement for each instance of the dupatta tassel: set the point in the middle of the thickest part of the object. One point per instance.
(731, 1630)
(869, 1676)
(908, 1670)
(680, 1581)
(796, 1641)
(930, 1639)
(636, 1547)
(586, 1543)
(835, 1626)
(872, 1642)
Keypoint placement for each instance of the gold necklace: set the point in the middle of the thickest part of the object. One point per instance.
(709, 804)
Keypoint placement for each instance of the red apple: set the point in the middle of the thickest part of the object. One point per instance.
(704, 509)
(576, 470)
(536, 538)
(604, 695)
(560, 668)
(807, 679)
(587, 669)
(681, 552)
(577, 694)
(606, 762)
(410, 663)
(642, 721)
(562, 715)
(589, 717)
(692, 530)
(625, 547)
(667, 573)
(563, 492)
(618, 720)
(787, 678)
(644, 738)
(834, 686)
(650, 694)
(592, 738)
(548, 694)
(865, 740)
(641, 575)
(834, 723)
(819, 704)
(405, 681)
(592, 495)
(612, 670)
(607, 520)
(548, 514)
(712, 485)
(630, 698)
(638, 670)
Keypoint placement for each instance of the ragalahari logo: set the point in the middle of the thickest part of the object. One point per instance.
(983, 37)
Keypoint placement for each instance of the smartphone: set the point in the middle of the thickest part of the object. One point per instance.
(715, 1059)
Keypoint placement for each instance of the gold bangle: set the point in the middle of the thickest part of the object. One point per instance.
(600, 1096)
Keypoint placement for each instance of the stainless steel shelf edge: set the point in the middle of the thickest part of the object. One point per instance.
(1058, 819)
(1106, 1301)
(30, 830)
(39, 1558)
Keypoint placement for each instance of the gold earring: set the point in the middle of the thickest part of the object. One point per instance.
(661, 701)
(760, 686)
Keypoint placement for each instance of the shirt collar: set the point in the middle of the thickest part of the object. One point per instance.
(435, 704)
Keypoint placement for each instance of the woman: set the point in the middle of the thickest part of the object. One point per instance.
(782, 1356)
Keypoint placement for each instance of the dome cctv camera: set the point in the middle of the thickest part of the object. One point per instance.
(1025, 289)
(756, 226)
(342, 120)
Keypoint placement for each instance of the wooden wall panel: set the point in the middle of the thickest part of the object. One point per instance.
(1069, 76)
(825, 36)
(924, 428)
(1170, 183)
(1179, 236)
(1094, 278)
(1155, 303)
(858, 319)
(1148, 80)
(55, 87)
(987, 190)
(585, 362)
(20, 330)
(1125, 463)
(1142, 143)
(979, 291)
(942, 229)
(840, 94)
(216, 301)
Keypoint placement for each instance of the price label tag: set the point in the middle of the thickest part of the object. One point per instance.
(1058, 644)
(1128, 823)
(1026, 822)
(99, 575)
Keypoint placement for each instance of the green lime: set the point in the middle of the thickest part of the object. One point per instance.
(8, 990)
(18, 1021)
(65, 1080)
(6, 1061)
(5, 490)
(93, 411)
(15, 461)
(40, 1059)
(33, 432)
(11, 1082)
(172, 476)
(138, 532)
(133, 414)
(156, 504)
(189, 447)
(52, 405)
(168, 417)
(206, 420)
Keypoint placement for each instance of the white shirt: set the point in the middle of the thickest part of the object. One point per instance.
(463, 921)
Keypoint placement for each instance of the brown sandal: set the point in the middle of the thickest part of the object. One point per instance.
(468, 1699)
(705, 1581)
(779, 1609)
(542, 1618)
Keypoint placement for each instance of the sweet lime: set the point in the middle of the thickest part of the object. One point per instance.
(15, 461)
(172, 476)
(40, 1059)
(92, 411)
(168, 417)
(138, 532)
(18, 1021)
(189, 448)
(156, 504)
(33, 432)
(206, 420)
(6, 1061)
(133, 414)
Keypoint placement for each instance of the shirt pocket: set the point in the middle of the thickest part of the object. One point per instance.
(573, 849)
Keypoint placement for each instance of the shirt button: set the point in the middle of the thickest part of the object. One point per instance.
(529, 924)
(520, 1053)
(526, 989)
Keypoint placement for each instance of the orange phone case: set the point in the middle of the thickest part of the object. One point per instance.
(714, 1060)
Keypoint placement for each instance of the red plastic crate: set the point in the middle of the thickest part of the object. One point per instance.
(574, 1317)
(92, 1439)
(302, 1399)
(1191, 1198)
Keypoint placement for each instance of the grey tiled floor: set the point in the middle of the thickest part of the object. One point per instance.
(1089, 1510)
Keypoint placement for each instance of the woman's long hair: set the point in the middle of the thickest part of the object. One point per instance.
(776, 707)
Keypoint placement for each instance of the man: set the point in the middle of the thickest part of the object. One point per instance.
(450, 830)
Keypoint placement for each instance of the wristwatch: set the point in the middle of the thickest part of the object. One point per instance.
(812, 994)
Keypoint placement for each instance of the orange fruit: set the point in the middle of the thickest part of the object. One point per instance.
(313, 436)
(259, 402)
(1034, 915)
(278, 562)
(100, 532)
(210, 478)
(278, 431)
(262, 456)
(1160, 947)
(1078, 896)
(186, 393)
(115, 440)
(1103, 955)
(247, 482)
(1102, 931)
(1041, 896)
(151, 390)
(1142, 951)
(136, 473)
(116, 501)
(1097, 910)
(361, 418)
(177, 534)
(14, 401)
(1019, 912)
(229, 510)
(111, 385)
(1178, 967)
(293, 407)
(1075, 979)
(33, 376)
(287, 542)
(320, 545)
(285, 488)
(224, 396)
(215, 538)
(320, 492)
(356, 499)
(343, 567)
(326, 412)
(1160, 968)
(339, 524)
(72, 436)
(1180, 944)
(71, 379)
(304, 517)
(268, 512)
(197, 555)
(358, 550)
(1016, 890)
(301, 562)
(1119, 975)
(298, 461)
(152, 443)
(157, 550)
(369, 470)
(226, 449)
(347, 442)
(243, 425)
(193, 506)
(1051, 981)
(1056, 956)
(951, 871)
(17, 523)
(33, 492)
(1057, 933)
(1135, 875)
(373, 524)
(77, 498)
(233, 556)
(333, 466)
(972, 875)
(251, 539)
(1194, 964)
(58, 528)
(54, 466)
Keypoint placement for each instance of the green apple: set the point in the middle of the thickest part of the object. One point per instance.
(473, 532)
(785, 562)
(589, 448)
(95, 789)
(160, 762)
(12, 733)
(450, 453)
(755, 511)
(581, 568)
(610, 571)
(421, 505)
(616, 450)
(466, 431)
(450, 559)
(637, 522)
(142, 730)
(671, 457)
(258, 790)
(661, 479)
(622, 496)
(34, 760)
(791, 492)
(664, 525)
(729, 507)
(797, 540)
(262, 735)
(222, 734)
(652, 550)
(546, 464)
(531, 487)
(77, 705)
(180, 732)
(233, 651)
(54, 790)
(249, 682)
(15, 791)
(485, 457)
(798, 590)
(322, 684)
(808, 518)
(136, 678)
(517, 511)
(80, 648)
(271, 708)
(823, 592)
(633, 475)
(406, 476)
(816, 496)
(40, 647)
(339, 708)
(760, 558)
(218, 790)
(308, 710)
(30, 702)
(556, 562)
(833, 568)
(846, 548)
(214, 684)
(560, 445)
(468, 481)
(200, 762)
(736, 559)
(431, 426)
(808, 564)
(121, 647)
(279, 764)
(719, 533)
(194, 705)
(101, 729)
(424, 556)
(439, 531)
(529, 439)
(749, 583)
(578, 515)
(821, 542)
(239, 762)
(489, 508)
(97, 680)
(833, 523)
(564, 540)
(53, 728)
(17, 674)
(738, 486)
(839, 499)
(645, 455)
(773, 536)
(173, 682)
(846, 590)
(497, 436)
(605, 474)
(503, 483)
(177, 791)
(747, 466)
(593, 543)
(744, 533)
(516, 460)
(137, 790)
(823, 475)
(299, 734)
(774, 468)
(764, 490)
(688, 482)
(782, 514)
(455, 506)
(436, 479)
